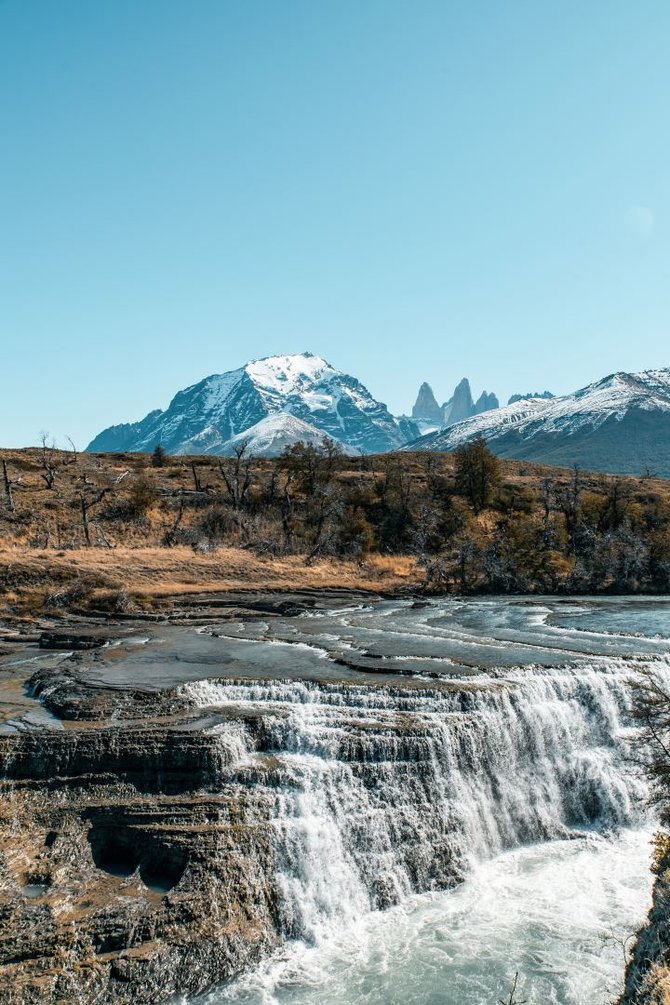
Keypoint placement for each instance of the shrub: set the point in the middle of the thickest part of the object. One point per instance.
(159, 457)
(216, 523)
(143, 495)
(477, 473)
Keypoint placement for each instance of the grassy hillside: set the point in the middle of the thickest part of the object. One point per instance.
(118, 533)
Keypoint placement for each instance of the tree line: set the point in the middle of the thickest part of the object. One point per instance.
(471, 522)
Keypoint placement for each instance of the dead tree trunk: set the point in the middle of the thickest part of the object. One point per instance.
(8, 487)
(238, 478)
(86, 505)
(84, 520)
(196, 480)
(287, 513)
(170, 535)
(49, 461)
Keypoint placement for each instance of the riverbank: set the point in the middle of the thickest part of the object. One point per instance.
(648, 971)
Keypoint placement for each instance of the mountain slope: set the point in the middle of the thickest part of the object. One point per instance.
(620, 424)
(203, 418)
(273, 434)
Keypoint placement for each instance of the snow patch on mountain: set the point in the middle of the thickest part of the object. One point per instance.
(285, 375)
(271, 436)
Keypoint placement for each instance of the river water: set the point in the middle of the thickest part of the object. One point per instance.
(464, 766)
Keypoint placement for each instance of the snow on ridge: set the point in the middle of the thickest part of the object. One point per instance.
(276, 421)
(310, 379)
(271, 435)
(219, 387)
(274, 377)
(611, 397)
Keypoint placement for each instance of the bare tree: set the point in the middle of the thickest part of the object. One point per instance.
(568, 499)
(197, 484)
(651, 708)
(512, 998)
(74, 453)
(170, 535)
(48, 460)
(466, 556)
(325, 514)
(287, 521)
(86, 504)
(313, 467)
(236, 474)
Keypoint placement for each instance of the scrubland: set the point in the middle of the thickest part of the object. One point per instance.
(124, 532)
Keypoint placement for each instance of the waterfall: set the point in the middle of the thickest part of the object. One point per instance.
(377, 792)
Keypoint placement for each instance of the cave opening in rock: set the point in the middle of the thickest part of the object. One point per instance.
(115, 851)
(162, 867)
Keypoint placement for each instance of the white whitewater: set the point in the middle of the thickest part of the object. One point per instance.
(556, 913)
(495, 817)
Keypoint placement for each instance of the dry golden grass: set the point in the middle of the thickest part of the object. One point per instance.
(152, 574)
(656, 985)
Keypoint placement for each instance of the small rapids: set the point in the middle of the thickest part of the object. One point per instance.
(494, 817)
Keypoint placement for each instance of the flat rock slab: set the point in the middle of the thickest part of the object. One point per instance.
(74, 640)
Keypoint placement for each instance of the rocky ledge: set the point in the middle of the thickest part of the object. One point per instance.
(122, 879)
(131, 869)
(648, 971)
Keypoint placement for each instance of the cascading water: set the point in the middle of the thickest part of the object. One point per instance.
(378, 793)
(382, 791)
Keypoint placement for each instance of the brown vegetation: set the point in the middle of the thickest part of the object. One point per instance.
(116, 530)
(648, 970)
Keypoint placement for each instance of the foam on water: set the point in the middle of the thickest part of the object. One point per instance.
(555, 913)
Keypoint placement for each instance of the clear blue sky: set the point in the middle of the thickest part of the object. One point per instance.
(415, 189)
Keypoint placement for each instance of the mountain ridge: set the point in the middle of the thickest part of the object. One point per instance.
(430, 416)
(619, 424)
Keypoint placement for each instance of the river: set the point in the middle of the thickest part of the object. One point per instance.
(464, 766)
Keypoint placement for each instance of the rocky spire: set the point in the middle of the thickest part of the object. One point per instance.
(485, 402)
(460, 405)
(530, 396)
(426, 406)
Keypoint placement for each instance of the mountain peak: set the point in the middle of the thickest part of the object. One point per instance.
(284, 374)
(486, 401)
(460, 405)
(426, 407)
(205, 417)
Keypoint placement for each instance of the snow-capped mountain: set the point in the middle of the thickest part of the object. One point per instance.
(203, 418)
(272, 435)
(620, 424)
